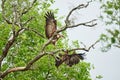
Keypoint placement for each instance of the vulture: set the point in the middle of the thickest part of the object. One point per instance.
(69, 59)
(61, 59)
(74, 59)
(51, 27)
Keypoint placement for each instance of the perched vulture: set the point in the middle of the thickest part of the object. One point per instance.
(74, 59)
(61, 59)
(51, 27)
(69, 59)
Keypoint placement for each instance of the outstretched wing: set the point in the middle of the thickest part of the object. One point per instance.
(81, 56)
(69, 59)
(50, 26)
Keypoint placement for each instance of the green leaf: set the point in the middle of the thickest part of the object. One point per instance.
(99, 77)
(117, 32)
(112, 40)
(75, 43)
(110, 4)
(110, 12)
(116, 7)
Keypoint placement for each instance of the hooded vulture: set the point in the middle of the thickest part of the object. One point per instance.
(51, 27)
(69, 59)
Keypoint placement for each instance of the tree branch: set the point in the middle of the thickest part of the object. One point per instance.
(69, 50)
(88, 24)
(27, 10)
(28, 20)
(27, 67)
(35, 59)
(8, 45)
(85, 49)
(35, 31)
(30, 63)
(80, 6)
(3, 12)
(12, 70)
(85, 24)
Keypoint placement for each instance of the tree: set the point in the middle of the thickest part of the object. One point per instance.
(111, 17)
(25, 52)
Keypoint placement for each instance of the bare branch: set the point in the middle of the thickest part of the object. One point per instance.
(28, 20)
(84, 24)
(35, 59)
(47, 43)
(15, 15)
(69, 50)
(85, 49)
(25, 10)
(118, 46)
(74, 9)
(15, 18)
(88, 24)
(12, 70)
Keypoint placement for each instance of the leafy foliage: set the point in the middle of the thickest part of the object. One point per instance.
(111, 17)
(28, 44)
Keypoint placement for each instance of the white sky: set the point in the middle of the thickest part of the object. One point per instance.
(106, 64)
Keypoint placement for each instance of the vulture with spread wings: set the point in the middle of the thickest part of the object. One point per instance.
(51, 27)
(69, 59)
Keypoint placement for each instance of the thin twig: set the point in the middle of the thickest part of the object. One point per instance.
(26, 22)
(35, 31)
(69, 50)
(80, 6)
(76, 25)
(84, 24)
(3, 12)
(25, 10)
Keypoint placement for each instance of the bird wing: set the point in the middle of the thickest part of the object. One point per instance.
(50, 26)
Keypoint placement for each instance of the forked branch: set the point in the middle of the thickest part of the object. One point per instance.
(80, 6)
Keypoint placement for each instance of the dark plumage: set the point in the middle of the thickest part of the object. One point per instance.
(51, 27)
(61, 59)
(69, 59)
